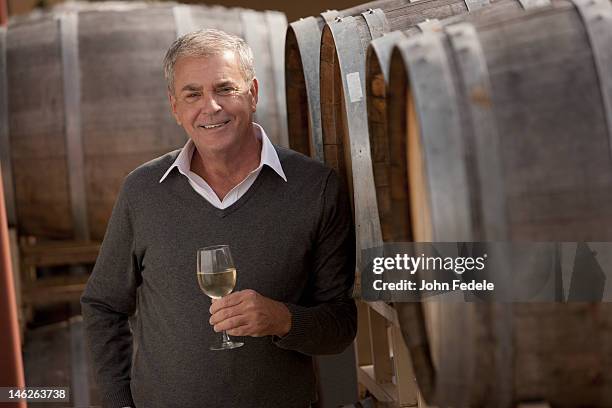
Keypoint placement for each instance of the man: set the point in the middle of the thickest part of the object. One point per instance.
(288, 224)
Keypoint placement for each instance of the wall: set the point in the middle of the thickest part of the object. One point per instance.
(293, 9)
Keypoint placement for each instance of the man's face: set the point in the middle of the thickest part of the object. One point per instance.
(212, 101)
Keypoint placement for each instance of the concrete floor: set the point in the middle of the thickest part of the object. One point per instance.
(54, 355)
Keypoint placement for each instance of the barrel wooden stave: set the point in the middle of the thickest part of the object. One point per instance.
(411, 14)
(36, 126)
(127, 140)
(298, 111)
(579, 372)
(551, 121)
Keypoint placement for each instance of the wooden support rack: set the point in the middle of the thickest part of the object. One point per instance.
(383, 361)
(38, 291)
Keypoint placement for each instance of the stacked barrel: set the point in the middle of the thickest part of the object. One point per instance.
(453, 120)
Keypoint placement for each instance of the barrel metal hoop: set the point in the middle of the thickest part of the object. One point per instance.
(531, 4)
(443, 150)
(277, 23)
(183, 20)
(308, 36)
(383, 47)
(473, 5)
(377, 22)
(329, 15)
(429, 76)
(71, 74)
(351, 60)
(474, 73)
(503, 331)
(597, 18)
(254, 30)
(5, 144)
(430, 25)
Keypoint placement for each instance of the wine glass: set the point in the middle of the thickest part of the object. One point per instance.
(217, 278)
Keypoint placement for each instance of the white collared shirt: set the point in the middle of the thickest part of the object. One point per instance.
(268, 155)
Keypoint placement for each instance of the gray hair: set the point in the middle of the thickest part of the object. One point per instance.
(207, 43)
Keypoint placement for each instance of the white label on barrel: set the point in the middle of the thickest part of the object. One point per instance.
(354, 86)
(473, 5)
(530, 4)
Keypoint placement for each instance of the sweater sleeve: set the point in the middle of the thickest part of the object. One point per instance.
(326, 323)
(107, 302)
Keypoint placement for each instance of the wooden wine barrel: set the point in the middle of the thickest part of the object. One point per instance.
(501, 132)
(378, 56)
(302, 46)
(85, 103)
(343, 107)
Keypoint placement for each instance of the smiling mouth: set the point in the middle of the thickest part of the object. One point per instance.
(214, 125)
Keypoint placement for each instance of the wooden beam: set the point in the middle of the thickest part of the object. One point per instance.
(53, 294)
(364, 345)
(383, 392)
(3, 13)
(14, 248)
(381, 357)
(12, 374)
(407, 389)
(78, 364)
(54, 253)
(422, 403)
(385, 310)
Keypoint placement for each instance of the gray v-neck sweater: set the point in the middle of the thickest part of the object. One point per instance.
(291, 241)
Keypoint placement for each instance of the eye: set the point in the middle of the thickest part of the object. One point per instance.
(192, 96)
(226, 90)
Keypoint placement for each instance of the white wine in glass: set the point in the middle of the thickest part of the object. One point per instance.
(217, 278)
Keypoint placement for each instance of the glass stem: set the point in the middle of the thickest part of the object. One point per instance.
(226, 338)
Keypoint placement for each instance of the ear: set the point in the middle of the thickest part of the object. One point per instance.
(172, 101)
(254, 94)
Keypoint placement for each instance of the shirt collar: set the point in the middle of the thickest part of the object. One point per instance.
(268, 156)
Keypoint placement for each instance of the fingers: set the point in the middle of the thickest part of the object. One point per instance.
(225, 313)
(231, 324)
(249, 329)
(246, 330)
(230, 300)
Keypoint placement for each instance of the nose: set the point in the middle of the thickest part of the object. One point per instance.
(209, 104)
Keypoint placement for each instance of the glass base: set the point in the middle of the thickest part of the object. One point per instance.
(227, 345)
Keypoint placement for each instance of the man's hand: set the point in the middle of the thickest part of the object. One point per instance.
(247, 313)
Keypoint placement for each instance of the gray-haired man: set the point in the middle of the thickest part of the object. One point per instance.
(289, 227)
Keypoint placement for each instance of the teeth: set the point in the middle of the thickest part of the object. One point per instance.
(213, 126)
